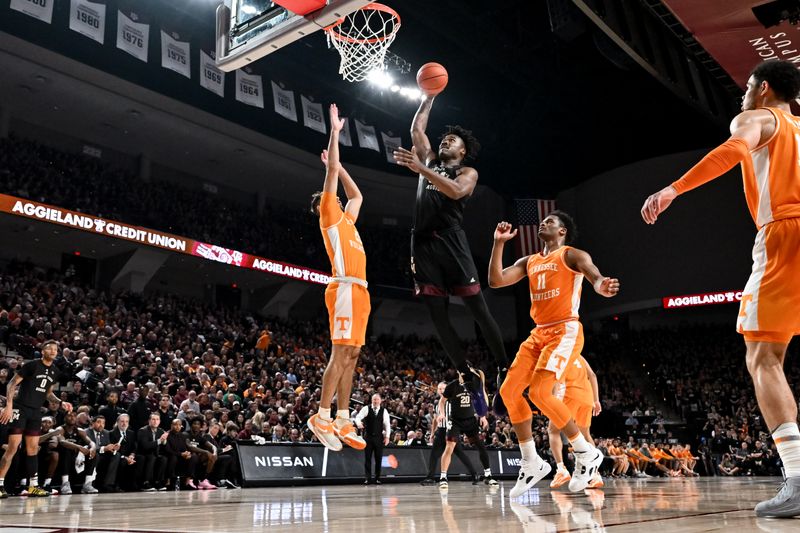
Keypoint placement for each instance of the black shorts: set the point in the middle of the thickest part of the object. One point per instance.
(441, 263)
(26, 421)
(458, 426)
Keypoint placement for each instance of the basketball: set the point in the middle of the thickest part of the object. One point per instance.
(432, 78)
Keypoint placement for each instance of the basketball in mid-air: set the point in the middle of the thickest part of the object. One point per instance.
(432, 78)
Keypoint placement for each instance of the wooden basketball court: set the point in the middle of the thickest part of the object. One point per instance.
(686, 505)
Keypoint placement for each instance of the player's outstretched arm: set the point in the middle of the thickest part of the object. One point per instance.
(748, 130)
(418, 126)
(353, 193)
(582, 262)
(499, 276)
(330, 157)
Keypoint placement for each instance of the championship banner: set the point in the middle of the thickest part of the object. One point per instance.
(211, 77)
(366, 137)
(730, 31)
(166, 241)
(132, 37)
(88, 18)
(175, 54)
(390, 144)
(284, 464)
(345, 139)
(312, 115)
(38, 9)
(283, 100)
(249, 89)
(706, 298)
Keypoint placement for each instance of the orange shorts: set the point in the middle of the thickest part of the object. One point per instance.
(348, 310)
(770, 308)
(579, 399)
(548, 348)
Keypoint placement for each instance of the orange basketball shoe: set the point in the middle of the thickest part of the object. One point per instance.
(324, 431)
(343, 428)
(562, 477)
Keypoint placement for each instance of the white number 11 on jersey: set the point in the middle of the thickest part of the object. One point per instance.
(540, 282)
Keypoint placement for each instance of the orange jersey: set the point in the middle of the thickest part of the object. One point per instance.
(576, 375)
(555, 288)
(342, 241)
(772, 173)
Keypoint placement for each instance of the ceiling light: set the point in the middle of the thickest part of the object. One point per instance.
(414, 94)
(380, 78)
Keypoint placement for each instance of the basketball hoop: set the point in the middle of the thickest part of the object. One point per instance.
(362, 38)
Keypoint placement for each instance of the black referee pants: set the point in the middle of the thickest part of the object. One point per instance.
(374, 450)
(439, 443)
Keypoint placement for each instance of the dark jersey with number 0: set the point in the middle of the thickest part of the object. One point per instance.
(37, 378)
(459, 401)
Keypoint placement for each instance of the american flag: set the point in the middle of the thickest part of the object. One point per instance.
(530, 212)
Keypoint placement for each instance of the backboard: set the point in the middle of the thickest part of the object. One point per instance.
(247, 30)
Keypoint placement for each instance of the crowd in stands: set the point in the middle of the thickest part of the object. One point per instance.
(233, 374)
(700, 374)
(214, 376)
(88, 185)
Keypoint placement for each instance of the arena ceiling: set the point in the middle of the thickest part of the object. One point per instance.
(551, 108)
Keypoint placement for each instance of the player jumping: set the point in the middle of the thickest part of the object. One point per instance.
(554, 276)
(346, 297)
(441, 260)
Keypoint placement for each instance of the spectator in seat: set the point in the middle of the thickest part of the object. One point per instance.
(106, 465)
(139, 410)
(198, 443)
(227, 474)
(48, 453)
(71, 442)
(129, 395)
(112, 409)
(166, 412)
(728, 467)
(125, 438)
(181, 462)
(192, 404)
(151, 457)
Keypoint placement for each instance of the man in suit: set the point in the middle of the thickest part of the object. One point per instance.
(150, 458)
(106, 463)
(126, 456)
(374, 421)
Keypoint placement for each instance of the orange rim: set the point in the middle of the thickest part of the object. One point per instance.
(374, 6)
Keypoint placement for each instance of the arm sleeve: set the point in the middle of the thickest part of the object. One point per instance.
(720, 160)
(329, 211)
(387, 426)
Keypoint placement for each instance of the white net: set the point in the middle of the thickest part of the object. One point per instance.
(362, 39)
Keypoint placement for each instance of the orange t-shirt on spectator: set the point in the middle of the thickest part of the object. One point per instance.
(263, 341)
